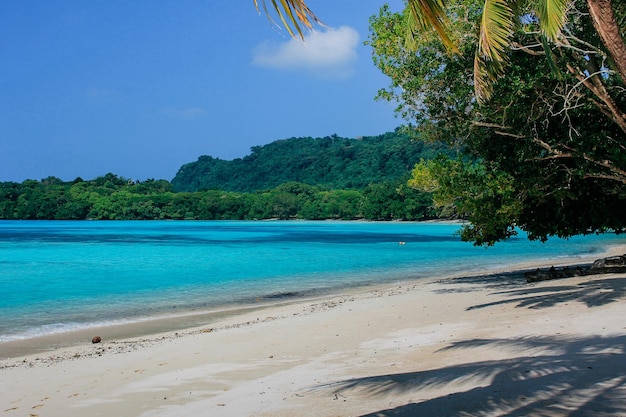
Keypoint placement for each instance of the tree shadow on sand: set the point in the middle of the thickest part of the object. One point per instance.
(597, 291)
(558, 377)
(593, 293)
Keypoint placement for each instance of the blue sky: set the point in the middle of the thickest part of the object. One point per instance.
(139, 88)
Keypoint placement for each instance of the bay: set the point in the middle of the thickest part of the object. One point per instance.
(59, 276)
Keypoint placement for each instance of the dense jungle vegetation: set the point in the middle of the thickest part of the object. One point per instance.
(304, 178)
(332, 162)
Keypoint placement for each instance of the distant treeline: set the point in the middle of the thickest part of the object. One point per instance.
(110, 197)
(332, 162)
(305, 178)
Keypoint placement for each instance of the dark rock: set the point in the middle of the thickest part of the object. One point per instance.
(96, 339)
(610, 265)
(554, 273)
(611, 261)
(598, 263)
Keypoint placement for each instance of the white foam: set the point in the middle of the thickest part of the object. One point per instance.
(59, 328)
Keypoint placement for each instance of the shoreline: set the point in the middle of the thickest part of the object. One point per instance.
(38, 319)
(153, 329)
(190, 320)
(482, 344)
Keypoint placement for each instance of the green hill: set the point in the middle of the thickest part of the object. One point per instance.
(333, 162)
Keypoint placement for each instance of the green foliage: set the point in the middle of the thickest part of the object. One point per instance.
(474, 191)
(550, 144)
(332, 162)
(289, 179)
(115, 198)
(433, 89)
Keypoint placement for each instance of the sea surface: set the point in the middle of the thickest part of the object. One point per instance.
(59, 276)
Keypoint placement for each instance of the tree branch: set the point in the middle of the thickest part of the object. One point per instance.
(598, 89)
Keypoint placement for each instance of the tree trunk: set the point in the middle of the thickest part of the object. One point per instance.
(606, 25)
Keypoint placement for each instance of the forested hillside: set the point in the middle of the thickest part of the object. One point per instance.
(332, 162)
(303, 178)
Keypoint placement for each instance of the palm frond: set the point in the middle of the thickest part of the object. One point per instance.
(554, 69)
(496, 29)
(295, 15)
(425, 15)
(552, 15)
(486, 73)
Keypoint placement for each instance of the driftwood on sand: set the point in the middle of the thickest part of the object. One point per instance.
(612, 264)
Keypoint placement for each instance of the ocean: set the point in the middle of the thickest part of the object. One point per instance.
(60, 276)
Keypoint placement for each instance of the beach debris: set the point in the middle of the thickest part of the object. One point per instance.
(96, 339)
(554, 273)
(611, 264)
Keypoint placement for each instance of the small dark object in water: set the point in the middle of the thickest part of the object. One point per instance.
(96, 339)
(286, 294)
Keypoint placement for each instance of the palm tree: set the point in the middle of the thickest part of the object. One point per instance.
(611, 29)
(294, 14)
(499, 18)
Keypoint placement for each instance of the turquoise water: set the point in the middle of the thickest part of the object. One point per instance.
(58, 276)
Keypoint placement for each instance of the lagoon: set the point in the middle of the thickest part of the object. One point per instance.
(60, 276)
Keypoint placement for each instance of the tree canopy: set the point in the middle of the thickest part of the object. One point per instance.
(546, 153)
(333, 162)
(110, 197)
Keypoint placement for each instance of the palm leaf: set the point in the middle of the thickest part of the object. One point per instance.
(496, 29)
(552, 15)
(486, 73)
(427, 15)
(294, 15)
(554, 69)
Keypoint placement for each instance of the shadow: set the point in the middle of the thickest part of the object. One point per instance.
(558, 376)
(598, 290)
(210, 233)
(493, 282)
(593, 293)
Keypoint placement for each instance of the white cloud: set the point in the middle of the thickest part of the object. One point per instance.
(327, 54)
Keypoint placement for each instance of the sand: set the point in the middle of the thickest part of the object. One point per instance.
(476, 346)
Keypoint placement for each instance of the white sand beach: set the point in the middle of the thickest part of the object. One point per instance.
(475, 346)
